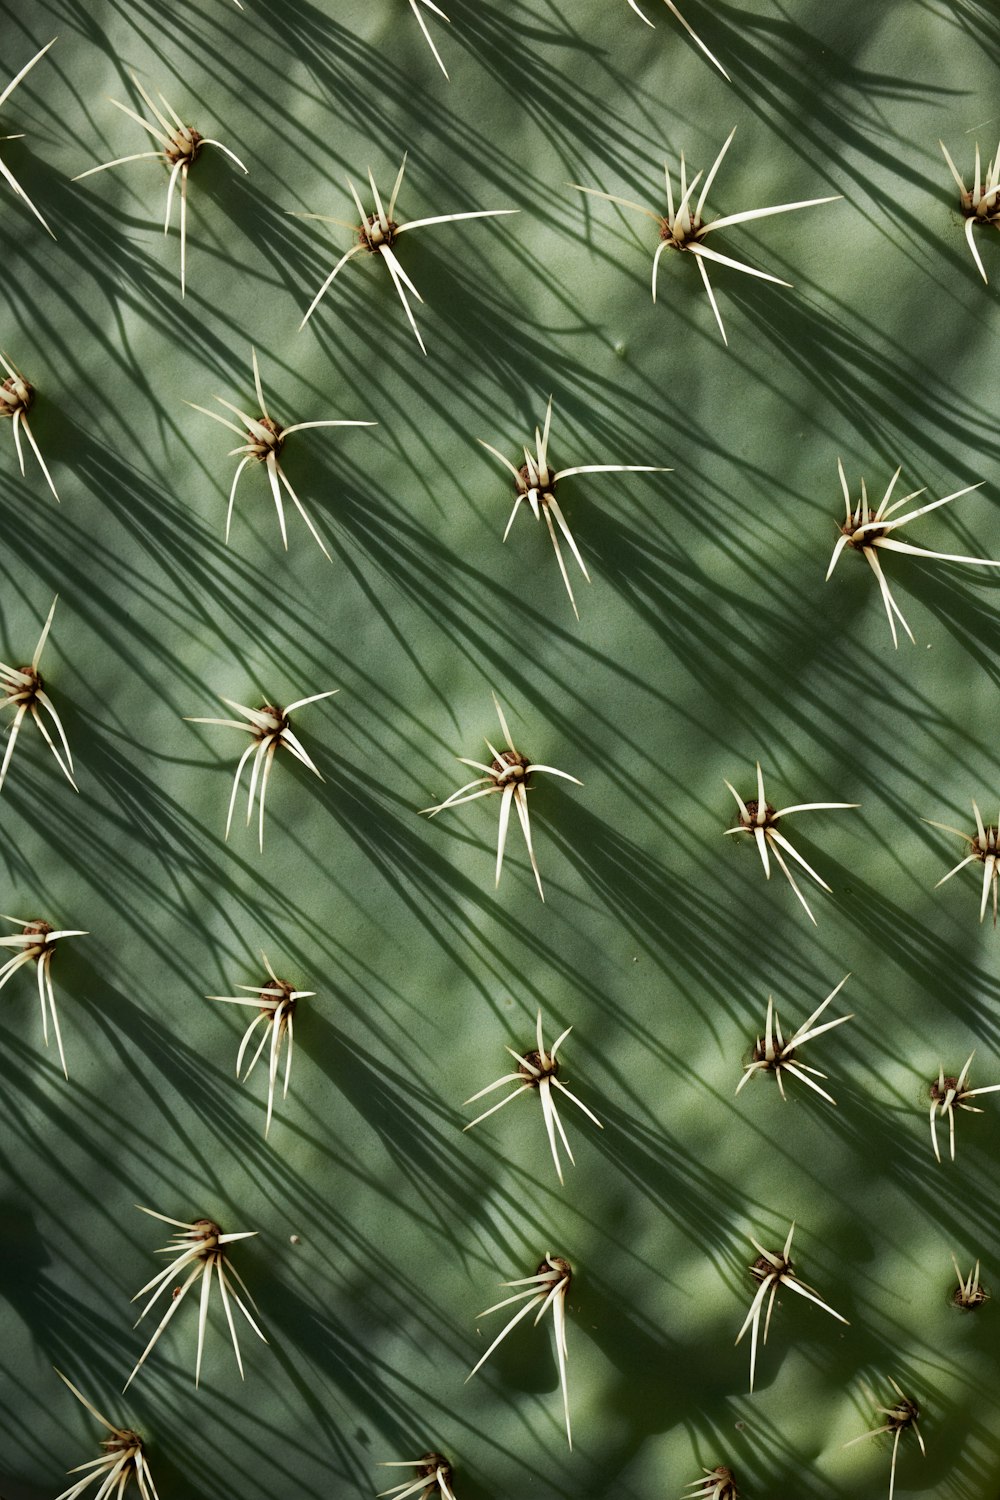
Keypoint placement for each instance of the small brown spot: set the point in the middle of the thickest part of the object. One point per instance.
(971, 1300)
(542, 1069)
(372, 235)
(762, 1268)
(938, 1093)
(509, 766)
(184, 146)
(431, 1463)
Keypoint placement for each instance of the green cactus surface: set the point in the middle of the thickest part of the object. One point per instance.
(328, 696)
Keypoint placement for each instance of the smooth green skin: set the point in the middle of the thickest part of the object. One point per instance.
(707, 640)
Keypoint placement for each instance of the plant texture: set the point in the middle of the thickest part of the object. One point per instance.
(5, 171)
(266, 440)
(970, 1292)
(980, 203)
(421, 22)
(546, 1291)
(772, 1270)
(123, 1459)
(688, 28)
(269, 728)
(983, 850)
(718, 1484)
(377, 234)
(35, 944)
(200, 1246)
(276, 1001)
(900, 1417)
(16, 397)
(537, 1070)
(535, 482)
(867, 530)
(369, 1222)
(180, 147)
(951, 1093)
(759, 818)
(683, 228)
(24, 692)
(433, 1477)
(509, 773)
(772, 1054)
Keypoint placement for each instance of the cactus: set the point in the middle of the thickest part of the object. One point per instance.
(353, 1219)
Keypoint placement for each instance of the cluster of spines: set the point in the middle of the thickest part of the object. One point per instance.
(550, 1284)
